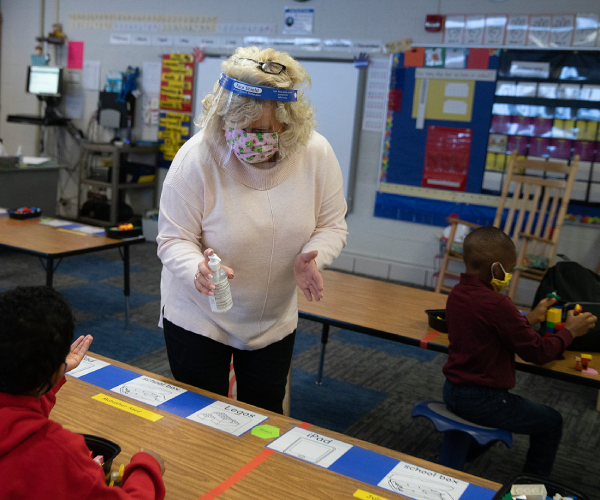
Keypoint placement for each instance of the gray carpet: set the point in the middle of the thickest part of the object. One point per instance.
(379, 380)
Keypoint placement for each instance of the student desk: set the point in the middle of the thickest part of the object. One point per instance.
(199, 458)
(397, 313)
(50, 243)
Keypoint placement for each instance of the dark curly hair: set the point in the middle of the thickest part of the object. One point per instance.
(36, 332)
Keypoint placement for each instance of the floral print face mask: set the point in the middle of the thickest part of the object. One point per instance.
(250, 146)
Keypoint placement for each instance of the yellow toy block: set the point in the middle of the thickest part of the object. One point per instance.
(554, 315)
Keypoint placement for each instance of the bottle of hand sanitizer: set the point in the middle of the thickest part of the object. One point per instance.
(221, 301)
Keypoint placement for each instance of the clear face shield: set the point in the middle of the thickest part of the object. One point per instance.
(227, 117)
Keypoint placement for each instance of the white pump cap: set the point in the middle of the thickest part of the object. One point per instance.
(213, 262)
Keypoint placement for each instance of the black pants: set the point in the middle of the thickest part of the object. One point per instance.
(261, 374)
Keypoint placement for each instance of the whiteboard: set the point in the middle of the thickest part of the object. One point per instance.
(334, 95)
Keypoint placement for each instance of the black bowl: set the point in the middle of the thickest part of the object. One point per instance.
(14, 215)
(437, 319)
(115, 232)
(100, 446)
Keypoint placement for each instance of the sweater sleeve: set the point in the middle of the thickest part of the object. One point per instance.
(329, 236)
(518, 335)
(179, 229)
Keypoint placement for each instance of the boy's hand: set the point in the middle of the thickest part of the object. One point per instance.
(78, 350)
(581, 324)
(158, 458)
(538, 314)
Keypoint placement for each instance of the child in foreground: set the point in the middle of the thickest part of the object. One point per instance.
(38, 458)
(485, 331)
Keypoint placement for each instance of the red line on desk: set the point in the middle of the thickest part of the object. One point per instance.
(427, 338)
(236, 476)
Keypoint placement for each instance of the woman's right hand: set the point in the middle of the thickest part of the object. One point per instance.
(204, 274)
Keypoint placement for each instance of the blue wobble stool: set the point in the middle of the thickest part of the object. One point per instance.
(459, 433)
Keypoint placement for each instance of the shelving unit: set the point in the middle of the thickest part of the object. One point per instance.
(554, 117)
(106, 167)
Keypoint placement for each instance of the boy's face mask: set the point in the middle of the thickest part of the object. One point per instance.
(500, 285)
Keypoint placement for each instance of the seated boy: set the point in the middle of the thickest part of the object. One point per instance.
(485, 331)
(38, 458)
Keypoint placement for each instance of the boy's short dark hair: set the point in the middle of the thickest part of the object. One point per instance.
(36, 332)
(485, 245)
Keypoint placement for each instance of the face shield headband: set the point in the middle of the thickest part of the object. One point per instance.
(268, 93)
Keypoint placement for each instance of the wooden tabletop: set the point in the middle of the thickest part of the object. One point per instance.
(370, 304)
(397, 313)
(32, 237)
(199, 458)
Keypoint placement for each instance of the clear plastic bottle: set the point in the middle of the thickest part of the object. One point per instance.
(19, 155)
(221, 301)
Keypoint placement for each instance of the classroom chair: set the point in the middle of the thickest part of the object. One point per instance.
(459, 434)
(531, 210)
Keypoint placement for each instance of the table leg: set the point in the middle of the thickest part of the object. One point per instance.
(324, 338)
(598, 402)
(126, 285)
(49, 271)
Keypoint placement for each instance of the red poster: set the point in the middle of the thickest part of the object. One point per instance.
(447, 158)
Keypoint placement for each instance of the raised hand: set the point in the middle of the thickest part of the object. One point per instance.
(78, 350)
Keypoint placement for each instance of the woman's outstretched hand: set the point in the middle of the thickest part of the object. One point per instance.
(308, 277)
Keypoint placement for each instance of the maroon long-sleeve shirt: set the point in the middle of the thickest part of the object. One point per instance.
(486, 330)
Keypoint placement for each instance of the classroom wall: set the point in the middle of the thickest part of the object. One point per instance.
(378, 247)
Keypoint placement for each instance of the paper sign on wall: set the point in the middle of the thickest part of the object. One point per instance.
(298, 21)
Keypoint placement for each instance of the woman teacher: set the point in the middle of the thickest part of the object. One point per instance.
(262, 189)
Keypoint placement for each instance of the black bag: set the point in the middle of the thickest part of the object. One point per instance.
(575, 285)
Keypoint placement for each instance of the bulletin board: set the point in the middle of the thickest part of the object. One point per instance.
(436, 136)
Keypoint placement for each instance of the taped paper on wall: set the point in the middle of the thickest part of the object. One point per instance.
(455, 107)
(456, 90)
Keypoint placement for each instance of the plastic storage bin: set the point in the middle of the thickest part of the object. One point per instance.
(150, 225)
(552, 488)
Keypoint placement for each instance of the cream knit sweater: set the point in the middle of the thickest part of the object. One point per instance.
(257, 220)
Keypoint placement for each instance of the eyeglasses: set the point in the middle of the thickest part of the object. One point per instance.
(270, 67)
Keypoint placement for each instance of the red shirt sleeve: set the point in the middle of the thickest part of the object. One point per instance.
(516, 333)
(143, 474)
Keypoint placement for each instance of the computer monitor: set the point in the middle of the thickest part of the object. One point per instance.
(45, 81)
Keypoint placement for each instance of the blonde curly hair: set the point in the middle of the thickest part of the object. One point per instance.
(223, 109)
